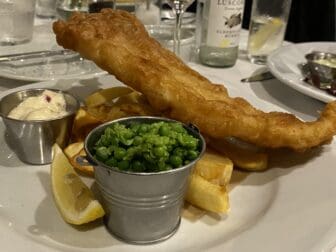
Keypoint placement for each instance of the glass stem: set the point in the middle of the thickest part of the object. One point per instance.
(177, 32)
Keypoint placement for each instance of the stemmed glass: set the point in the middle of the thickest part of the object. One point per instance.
(179, 7)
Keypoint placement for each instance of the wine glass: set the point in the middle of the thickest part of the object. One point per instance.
(179, 7)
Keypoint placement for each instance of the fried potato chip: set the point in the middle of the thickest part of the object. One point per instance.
(206, 195)
(246, 158)
(106, 96)
(214, 167)
(84, 122)
(74, 150)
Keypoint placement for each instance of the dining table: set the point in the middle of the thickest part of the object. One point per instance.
(289, 207)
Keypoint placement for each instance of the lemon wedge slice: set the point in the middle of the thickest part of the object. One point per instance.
(73, 198)
(258, 39)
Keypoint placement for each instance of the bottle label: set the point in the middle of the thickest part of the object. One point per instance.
(225, 18)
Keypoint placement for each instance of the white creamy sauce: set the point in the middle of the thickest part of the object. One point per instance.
(48, 105)
(327, 62)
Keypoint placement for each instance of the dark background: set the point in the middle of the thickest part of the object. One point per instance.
(309, 20)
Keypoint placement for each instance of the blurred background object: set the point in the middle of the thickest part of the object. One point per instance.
(267, 28)
(46, 8)
(179, 7)
(64, 8)
(148, 11)
(97, 5)
(16, 21)
(219, 30)
(308, 20)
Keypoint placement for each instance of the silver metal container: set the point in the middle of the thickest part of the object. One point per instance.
(323, 73)
(33, 140)
(141, 207)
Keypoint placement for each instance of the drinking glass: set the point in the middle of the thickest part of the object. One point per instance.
(267, 28)
(46, 8)
(65, 8)
(179, 7)
(148, 11)
(16, 21)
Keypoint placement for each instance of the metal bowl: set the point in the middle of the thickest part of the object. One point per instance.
(141, 207)
(321, 73)
(33, 140)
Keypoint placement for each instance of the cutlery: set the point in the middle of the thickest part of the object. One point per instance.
(259, 77)
(36, 54)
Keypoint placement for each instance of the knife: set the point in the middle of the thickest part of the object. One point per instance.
(36, 54)
(259, 77)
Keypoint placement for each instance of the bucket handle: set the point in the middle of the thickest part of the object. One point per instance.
(84, 161)
(193, 127)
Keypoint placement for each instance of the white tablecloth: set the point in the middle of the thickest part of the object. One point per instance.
(295, 222)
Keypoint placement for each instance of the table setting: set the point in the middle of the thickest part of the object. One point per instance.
(93, 64)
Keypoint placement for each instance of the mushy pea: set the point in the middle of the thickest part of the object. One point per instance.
(146, 147)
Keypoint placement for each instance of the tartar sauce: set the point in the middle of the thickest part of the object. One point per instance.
(327, 62)
(48, 105)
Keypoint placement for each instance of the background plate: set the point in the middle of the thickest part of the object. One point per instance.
(283, 63)
(49, 68)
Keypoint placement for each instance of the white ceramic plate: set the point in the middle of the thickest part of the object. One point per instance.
(290, 207)
(49, 68)
(283, 63)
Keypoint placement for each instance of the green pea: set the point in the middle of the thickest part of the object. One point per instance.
(161, 165)
(192, 154)
(123, 165)
(135, 127)
(119, 153)
(137, 140)
(160, 151)
(178, 127)
(102, 153)
(179, 152)
(137, 166)
(164, 130)
(144, 128)
(113, 162)
(175, 161)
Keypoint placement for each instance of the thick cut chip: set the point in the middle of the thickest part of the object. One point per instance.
(214, 167)
(84, 122)
(206, 195)
(242, 156)
(104, 96)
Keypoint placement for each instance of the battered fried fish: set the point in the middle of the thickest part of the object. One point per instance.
(118, 43)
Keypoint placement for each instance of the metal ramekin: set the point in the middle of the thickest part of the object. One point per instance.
(33, 140)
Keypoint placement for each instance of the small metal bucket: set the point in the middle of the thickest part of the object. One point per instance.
(141, 207)
(33, 140)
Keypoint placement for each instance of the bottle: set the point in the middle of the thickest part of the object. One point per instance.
(219, 31)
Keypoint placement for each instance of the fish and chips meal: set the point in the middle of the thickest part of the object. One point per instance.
(160, 84)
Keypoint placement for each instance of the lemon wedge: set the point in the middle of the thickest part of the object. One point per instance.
(258, 39)
(73, 198)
